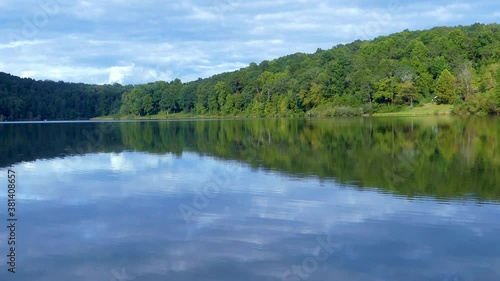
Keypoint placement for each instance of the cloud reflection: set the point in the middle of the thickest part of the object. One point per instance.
(114, 211)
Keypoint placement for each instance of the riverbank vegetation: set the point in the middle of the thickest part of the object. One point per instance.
(457, 66)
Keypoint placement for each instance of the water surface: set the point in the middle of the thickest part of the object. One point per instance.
(338, 199)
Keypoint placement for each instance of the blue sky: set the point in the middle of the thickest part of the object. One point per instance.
(138, 41)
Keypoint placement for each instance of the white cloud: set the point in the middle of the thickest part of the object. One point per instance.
(117, 74)
(121, 163)
(20, 44)
(88, 10)
(444, 13)
(203, 15)
(141, 41)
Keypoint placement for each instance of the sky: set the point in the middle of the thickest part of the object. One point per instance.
(141, 41)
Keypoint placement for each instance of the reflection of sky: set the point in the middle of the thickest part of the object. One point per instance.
(82, 217)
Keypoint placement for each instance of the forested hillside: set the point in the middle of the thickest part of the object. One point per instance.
(447, 65)
(27, 99)
(459, 65)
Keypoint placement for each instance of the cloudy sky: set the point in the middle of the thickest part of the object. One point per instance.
(137, 41)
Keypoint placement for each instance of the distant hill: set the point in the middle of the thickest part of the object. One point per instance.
(28, 99)
(447, 65)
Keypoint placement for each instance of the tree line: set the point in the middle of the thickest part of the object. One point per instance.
(28, 99)
(457, 65)
(447, 65)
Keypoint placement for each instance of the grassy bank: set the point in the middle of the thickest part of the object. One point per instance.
(425, 110)
(164, 116)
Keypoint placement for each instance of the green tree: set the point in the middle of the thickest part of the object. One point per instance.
(466, 81)
(213, 103)
(228, 107)
(147, 105)
(408, 92)
(385, 91)
(445, 88)
(437, 66)
(222, 90)
(135, 101)
(497, 80)
(265, 83)
(312, 97)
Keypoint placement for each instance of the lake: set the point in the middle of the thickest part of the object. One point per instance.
(320, 199)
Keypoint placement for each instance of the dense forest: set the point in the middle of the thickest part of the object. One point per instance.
(27, 99)
(445, 65)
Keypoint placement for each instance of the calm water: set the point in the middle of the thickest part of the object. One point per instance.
(343, 199)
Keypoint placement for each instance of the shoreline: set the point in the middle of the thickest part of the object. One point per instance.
(420, 111)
